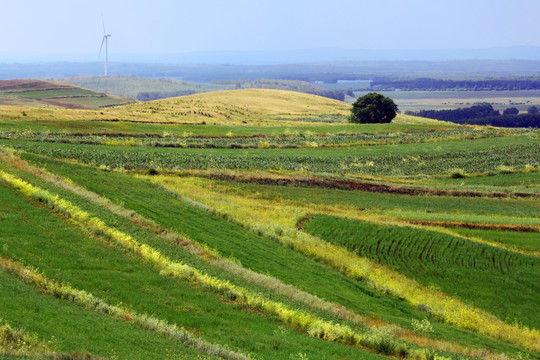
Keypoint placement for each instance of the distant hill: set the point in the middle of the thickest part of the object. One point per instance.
(290, 85)
(147, 89)
(237, 106)
(141, 88)
(52, 93)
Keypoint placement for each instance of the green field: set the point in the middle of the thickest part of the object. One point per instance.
(454, 265)
(139, 232)
(54, 94)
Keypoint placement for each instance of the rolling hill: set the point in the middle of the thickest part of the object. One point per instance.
(146, 89)
(54, 94)
(258, 224)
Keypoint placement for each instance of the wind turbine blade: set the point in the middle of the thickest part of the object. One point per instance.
(103, 23)
(101, 47)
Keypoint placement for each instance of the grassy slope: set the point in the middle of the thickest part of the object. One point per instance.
(252, 251)
(67, 255)
(255, 107)
(251, 104)
(117, 279)
(25, 307)
(421, 255)
(521, 210)
(129, 86)
(394, 207)
(272, 112)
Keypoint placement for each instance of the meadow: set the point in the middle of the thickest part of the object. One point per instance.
(258, 224)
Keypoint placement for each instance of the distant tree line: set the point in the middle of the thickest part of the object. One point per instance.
(428, 84)
(510, 121)
(155, 95)
(476, 111)
(484, 114)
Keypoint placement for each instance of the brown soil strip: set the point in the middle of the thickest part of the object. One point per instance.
(342, 184)
(64, 105)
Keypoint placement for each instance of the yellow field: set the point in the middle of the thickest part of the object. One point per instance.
(258, 107)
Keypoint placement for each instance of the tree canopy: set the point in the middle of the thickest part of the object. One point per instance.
(373, 108)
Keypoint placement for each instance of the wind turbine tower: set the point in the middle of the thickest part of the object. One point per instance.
(106, 42)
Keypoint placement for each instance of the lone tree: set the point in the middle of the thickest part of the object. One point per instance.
(373, 108)
(511, 111)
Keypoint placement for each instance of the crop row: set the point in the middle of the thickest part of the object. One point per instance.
(91, 302)
(274, 224)
(224, 264)
(138, 286)
(415, 248)
(260, 141)
(496, 160)
(254, 252)
(307, 322)
(456, 265)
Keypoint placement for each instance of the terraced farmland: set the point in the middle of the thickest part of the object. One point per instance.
(54, 94)
(262, 232)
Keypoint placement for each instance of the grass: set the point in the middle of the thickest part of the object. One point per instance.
(521, 180)
(121, 283)
(421, 254)
(280, 224)
(250, 104)
(520, 209)
(526, 241)
(250, 250)
(61, 322)
(170, 232)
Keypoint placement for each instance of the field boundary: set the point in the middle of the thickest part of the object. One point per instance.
(356, 185)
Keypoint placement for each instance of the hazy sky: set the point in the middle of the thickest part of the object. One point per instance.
(67, 29)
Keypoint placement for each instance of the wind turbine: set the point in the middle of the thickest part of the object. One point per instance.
(106, 42)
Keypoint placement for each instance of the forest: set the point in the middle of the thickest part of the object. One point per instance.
(484, 114)
(430, 84)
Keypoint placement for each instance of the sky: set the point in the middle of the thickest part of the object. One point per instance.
(72, 29)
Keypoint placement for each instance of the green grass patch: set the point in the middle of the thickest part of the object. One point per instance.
(526, 180)
(474, 272)
(75, 330)
(67, 255)
(526, 241)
